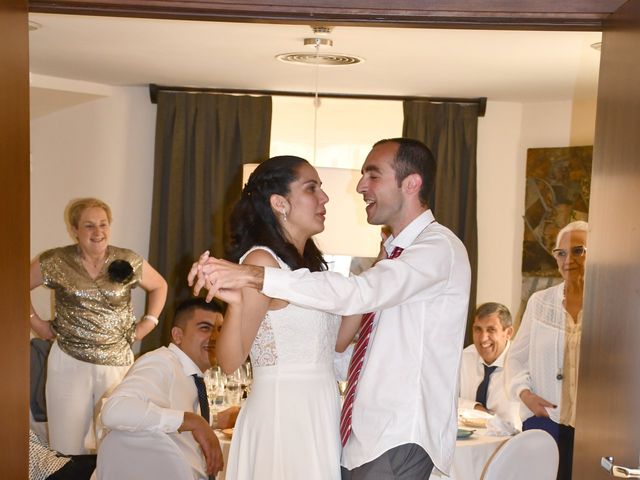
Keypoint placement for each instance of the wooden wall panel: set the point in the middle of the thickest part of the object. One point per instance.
(608, 417)
(14, 239)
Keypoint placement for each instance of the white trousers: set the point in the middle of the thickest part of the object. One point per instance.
(74, 393)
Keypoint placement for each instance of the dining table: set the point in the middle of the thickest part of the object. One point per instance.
(225, 444)
(471, 455)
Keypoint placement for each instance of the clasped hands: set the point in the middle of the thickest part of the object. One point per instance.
(221, 278)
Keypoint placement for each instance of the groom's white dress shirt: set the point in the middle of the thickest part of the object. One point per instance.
(407, 391)
(153, 397)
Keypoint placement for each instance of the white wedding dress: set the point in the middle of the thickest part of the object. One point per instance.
(288, 428)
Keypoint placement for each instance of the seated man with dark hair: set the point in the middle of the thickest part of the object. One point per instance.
(163, 393)
(482, 381)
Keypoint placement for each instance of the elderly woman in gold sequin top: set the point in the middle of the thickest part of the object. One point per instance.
(94, 324)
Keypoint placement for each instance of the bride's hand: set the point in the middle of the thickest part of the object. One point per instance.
(230, 296)
(196, 271)
(215, 274)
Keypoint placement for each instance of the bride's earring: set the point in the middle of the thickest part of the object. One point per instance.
(284, 215)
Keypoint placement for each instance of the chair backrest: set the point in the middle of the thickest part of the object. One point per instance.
(140, 455)
(39, 352)
(530, 455)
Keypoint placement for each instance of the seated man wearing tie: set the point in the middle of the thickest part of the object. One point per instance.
(482, 370)
(164, 391)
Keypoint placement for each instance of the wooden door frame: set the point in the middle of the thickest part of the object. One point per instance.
(487, 14)
(14, 241)
(586, 15)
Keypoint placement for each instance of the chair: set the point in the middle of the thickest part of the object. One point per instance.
(530, 455)
(140, 455)
(39, 352)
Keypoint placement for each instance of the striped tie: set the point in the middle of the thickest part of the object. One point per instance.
(355, 366)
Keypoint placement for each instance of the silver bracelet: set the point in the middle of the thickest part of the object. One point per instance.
(153, 318)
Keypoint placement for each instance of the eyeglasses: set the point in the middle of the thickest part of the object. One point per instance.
(577, 251)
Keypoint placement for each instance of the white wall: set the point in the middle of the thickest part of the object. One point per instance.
(346, 129)
(102, 148)
(504, 135)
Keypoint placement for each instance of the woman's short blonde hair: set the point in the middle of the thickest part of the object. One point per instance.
(75, 209)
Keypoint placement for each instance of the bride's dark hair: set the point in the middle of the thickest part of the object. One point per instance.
(253, 222)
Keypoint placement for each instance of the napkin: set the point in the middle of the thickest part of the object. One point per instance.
(499, 427)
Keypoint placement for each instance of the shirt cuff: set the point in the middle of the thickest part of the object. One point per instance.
(519, 389)
(170, 420)
(272, 279)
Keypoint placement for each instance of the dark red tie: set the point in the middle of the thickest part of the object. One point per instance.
(355, 366)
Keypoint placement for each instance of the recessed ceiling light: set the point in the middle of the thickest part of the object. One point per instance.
(322, 59)
(597, 46)
(34, 26)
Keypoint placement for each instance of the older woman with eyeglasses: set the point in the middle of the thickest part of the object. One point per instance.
(542, 364)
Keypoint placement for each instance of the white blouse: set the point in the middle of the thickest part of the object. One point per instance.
(536, 358)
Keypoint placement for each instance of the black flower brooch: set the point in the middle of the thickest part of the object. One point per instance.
(120, 271)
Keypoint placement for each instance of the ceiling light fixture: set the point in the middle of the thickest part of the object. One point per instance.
(317, 59)
(33, 26)
(597, 46)
(326, 59)
(317, 42)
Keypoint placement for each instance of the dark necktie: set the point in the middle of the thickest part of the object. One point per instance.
(202, 396)
(357, 360)
(483, 388)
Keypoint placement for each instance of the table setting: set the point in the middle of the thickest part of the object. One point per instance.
(479, 435)
(226, 393)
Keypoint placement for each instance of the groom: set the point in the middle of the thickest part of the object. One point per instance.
(399, 416)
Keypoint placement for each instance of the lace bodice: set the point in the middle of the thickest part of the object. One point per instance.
(294, 335)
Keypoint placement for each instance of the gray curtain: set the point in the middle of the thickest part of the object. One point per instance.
(450, 131)
(202, 141)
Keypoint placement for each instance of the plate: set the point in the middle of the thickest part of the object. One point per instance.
(464, 433)
(474, 422)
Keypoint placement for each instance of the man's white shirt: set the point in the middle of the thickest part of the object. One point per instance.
(407, 391)
(471, 375)
(153, 397)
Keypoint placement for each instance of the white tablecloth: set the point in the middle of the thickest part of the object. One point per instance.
(225, 444)
(471, 456)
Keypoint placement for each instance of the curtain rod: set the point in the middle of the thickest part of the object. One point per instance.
(154, 89)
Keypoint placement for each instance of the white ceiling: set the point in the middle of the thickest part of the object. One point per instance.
(500, 65)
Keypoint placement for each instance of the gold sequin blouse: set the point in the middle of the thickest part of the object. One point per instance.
(94, 319)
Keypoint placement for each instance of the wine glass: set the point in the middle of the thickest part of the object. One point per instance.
(215, 381)
(246, 375)
(233, 389)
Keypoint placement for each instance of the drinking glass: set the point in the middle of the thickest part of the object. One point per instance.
(246, 378)
(233, 389)
(215, 381)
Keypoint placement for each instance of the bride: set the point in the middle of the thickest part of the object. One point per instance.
(289, 427)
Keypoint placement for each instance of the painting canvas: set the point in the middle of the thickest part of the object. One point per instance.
(558, 182)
